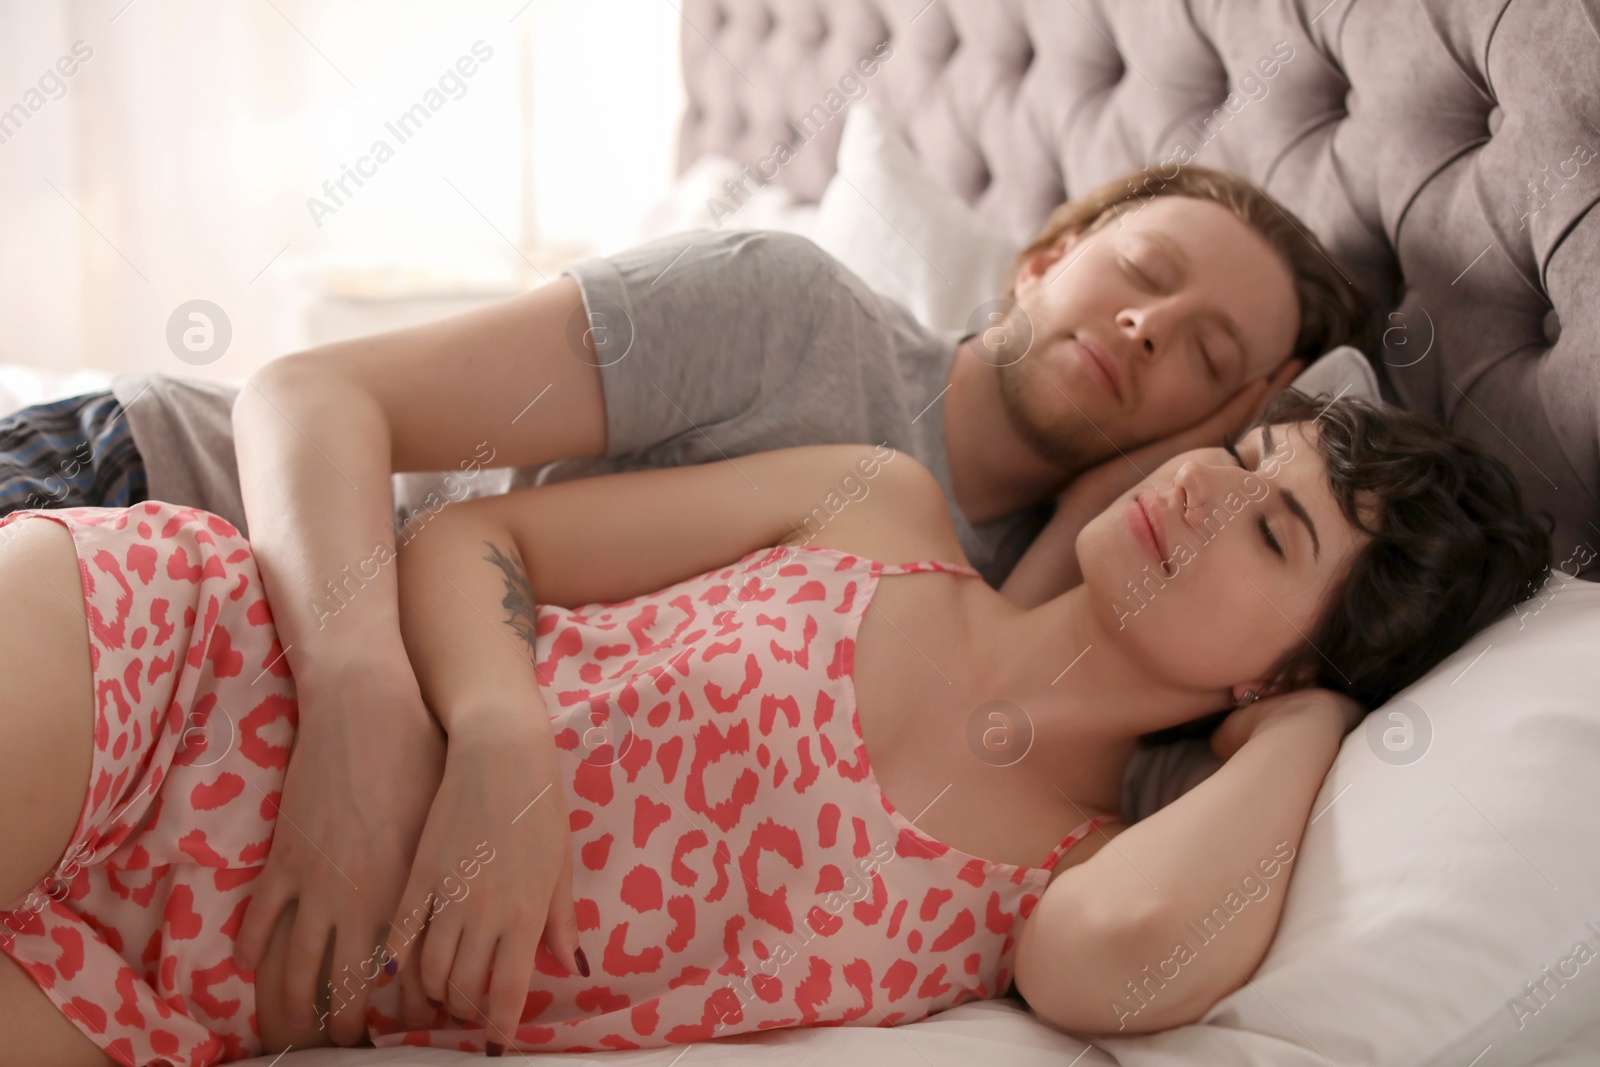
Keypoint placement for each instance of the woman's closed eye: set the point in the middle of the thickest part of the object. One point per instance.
(1261, 520)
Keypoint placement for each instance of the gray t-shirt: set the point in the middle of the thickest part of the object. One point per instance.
(711, 345)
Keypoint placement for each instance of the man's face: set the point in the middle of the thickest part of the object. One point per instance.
(1145, 327)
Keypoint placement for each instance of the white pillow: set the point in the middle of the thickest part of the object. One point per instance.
(21, 385)
(1341, 372)
(1427, 895)
(886, 217)
(698, 199)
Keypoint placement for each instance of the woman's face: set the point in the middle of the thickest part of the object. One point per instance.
(1214, 568)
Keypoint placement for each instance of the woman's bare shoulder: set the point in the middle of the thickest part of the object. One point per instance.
(1086, 848)
(884, 505)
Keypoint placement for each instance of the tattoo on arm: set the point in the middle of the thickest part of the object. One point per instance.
(518, 600)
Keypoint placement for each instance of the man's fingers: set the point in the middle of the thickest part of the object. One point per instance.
(1271, 387)
(1247, 405)
(1287, 374)
(272, 895)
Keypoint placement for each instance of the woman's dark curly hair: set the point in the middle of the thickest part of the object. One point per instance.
(1453, 548)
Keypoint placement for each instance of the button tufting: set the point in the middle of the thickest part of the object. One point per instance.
(1496, 116)
(1552, 326)
(983, 178)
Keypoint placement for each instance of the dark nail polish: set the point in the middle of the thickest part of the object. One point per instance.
(436, 1005)
(458, 1020)
(494, 1048)
(391, 967)
(583, 962)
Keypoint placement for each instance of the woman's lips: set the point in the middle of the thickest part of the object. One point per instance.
(1100, 364)
(1143, 514)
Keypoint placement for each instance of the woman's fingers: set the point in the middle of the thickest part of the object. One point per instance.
(412, 917)
(469, 976)
(512, 971)
(356, 966)
(415, 1011)
(302, 966)
(439, 956)
(272, 894)
(561, 924)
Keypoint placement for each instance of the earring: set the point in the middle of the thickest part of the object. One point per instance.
(1246, 700)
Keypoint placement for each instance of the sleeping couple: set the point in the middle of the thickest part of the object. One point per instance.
(654, 755)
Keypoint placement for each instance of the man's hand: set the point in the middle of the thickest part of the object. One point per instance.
(1094, 490)
(366, 762)
(1049, 567)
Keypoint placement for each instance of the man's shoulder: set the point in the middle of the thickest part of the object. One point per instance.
(771, 269)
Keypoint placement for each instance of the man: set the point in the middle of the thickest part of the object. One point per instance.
(1148, 318)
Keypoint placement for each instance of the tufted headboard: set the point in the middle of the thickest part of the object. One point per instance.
(1446, 151)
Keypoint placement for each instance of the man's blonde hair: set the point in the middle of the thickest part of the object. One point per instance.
(1333, 311)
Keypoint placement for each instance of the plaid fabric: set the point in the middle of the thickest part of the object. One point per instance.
(76, 452)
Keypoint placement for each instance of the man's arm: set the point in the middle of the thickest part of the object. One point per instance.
(318, 435)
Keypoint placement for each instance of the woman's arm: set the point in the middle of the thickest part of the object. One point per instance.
(615, 536)
(317, 436)
(1152, 932)
(468, 591)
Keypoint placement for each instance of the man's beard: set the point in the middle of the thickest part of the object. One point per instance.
(1052, 425)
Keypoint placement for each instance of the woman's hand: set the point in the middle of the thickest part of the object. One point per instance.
(1334, 710)
(366, 759)
(492, 877)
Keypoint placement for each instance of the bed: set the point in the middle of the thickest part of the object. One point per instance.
(1448, 153)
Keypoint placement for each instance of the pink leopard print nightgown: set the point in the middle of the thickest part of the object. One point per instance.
(736, 867)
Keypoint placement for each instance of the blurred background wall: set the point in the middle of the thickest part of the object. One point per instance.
(315, 168)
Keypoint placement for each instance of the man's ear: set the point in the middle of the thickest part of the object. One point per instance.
(1036, 266)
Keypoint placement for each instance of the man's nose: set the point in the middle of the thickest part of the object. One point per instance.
(1144, 327)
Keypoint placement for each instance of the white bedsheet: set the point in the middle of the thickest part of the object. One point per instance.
(21, 386)
(1000, 1032)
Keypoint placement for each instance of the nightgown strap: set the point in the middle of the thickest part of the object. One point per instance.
(1083, 830)
(926, 566)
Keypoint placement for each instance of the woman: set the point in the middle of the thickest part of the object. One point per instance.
(722, 842)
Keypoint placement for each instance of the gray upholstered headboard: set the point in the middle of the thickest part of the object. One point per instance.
(1447, 151)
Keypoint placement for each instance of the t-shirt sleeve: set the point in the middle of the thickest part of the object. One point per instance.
(693, 330)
